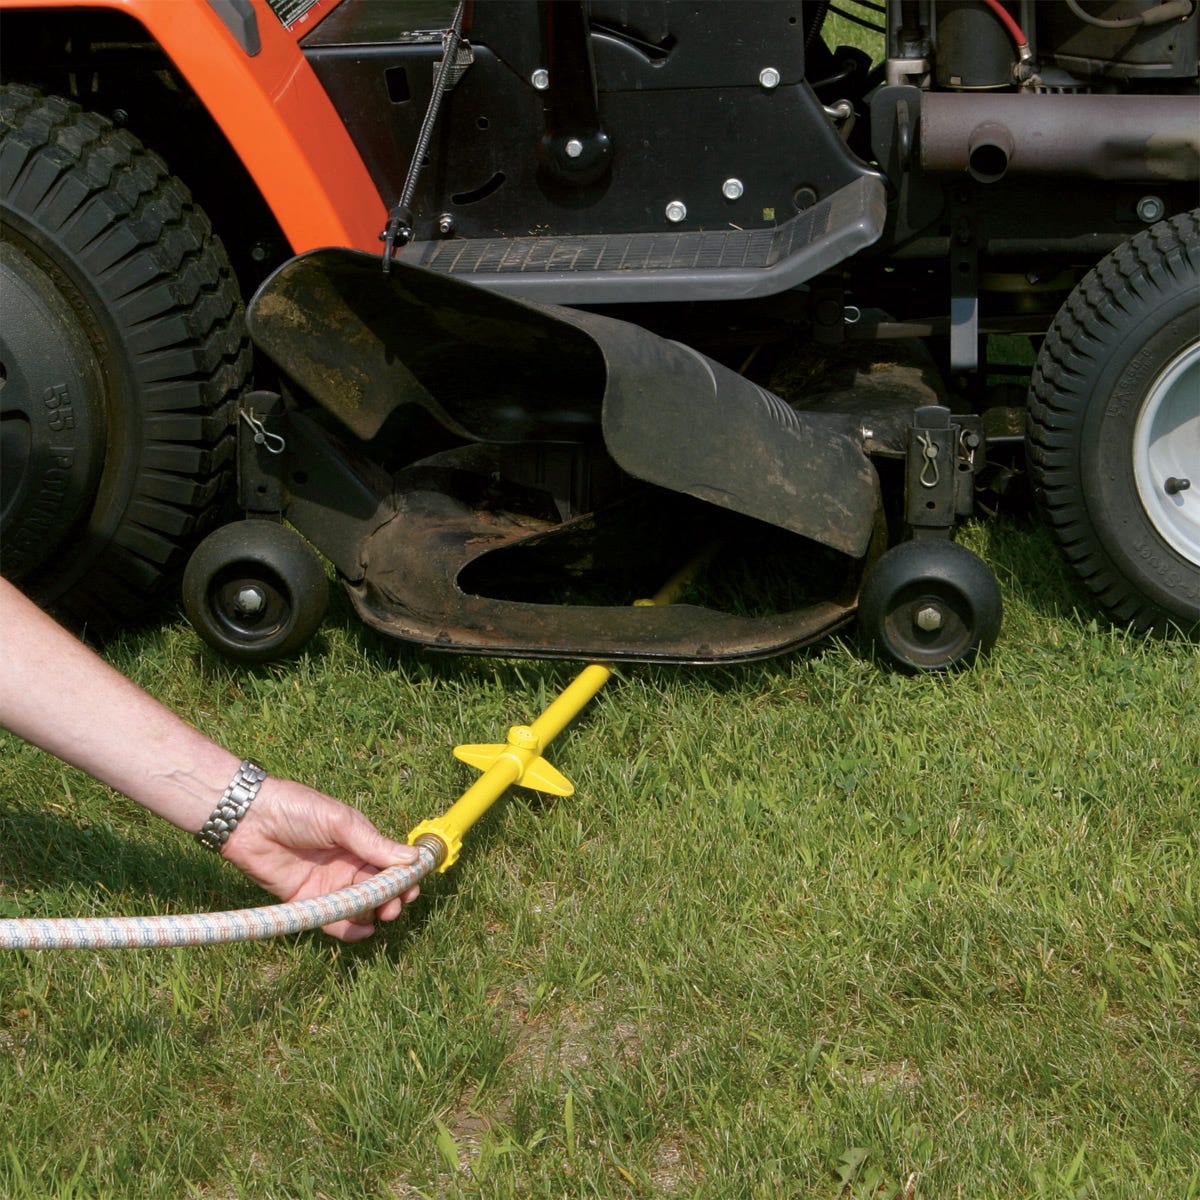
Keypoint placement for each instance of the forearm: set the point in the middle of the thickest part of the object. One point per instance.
(56, 693)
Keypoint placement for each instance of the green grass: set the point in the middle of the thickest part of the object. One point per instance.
(806, 929)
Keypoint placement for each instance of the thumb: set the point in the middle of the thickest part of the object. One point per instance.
(362, 838)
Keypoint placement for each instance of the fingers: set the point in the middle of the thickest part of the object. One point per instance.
(354, 930)
(349, 931)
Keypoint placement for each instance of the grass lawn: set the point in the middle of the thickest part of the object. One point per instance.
(807, 929)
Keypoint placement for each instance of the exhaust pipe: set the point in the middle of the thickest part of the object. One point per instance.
(1115, 138)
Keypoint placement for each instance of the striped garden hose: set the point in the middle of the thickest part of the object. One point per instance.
(195, 929)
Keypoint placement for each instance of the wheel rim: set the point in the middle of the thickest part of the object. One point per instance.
(930, 624)
(1166, 454)
(52, 418)
(249, 606)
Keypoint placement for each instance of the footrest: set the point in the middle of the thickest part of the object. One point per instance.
(684, 265)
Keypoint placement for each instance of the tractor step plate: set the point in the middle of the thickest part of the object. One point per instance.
(684, 265)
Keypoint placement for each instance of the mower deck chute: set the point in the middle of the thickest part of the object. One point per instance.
(582, 450)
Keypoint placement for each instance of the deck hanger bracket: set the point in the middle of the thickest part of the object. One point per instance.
(574, 148)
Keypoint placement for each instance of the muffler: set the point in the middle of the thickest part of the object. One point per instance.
(1116, 138)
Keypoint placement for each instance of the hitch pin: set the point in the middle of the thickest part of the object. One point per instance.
(271, 442)
(929, 466)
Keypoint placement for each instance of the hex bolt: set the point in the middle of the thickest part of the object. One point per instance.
(250, 600)
(929, 618)
(540, 79)
(732, 189)
(676, 211)
(445, 224)
(1151, 209)
(574, 148)
(769, 78)
(1174, 485)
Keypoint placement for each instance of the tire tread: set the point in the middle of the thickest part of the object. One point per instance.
(130, 228)
(1148, 264)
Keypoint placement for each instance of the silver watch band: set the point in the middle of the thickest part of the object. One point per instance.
(242, 789)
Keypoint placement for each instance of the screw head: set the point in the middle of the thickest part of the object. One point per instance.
(1151, 209)
(540, 79)
(574, 148)
(732, 189)
(250, 600)
(929, 618)
(445, 224)
(769, 78)
(676, 211)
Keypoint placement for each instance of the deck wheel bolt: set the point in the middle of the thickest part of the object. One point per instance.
(732, 189)
(1151, 209)
(1174, 485)
(445, 224)
(676, 211)
(540, 79)
(769, 78)
(574, 148)
(929, 618)
(250, 601)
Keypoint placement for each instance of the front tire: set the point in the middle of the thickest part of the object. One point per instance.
(1114, 428)
(122, 350)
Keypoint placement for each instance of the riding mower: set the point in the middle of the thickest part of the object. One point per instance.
(549, 298)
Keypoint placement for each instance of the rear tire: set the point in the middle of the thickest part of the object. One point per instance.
(122, 352)
(1114, 428)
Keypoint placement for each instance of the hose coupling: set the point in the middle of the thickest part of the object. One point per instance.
(441, 843)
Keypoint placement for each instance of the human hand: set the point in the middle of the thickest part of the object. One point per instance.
(297, 843)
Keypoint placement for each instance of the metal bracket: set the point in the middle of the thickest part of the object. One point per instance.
(943, 458)
(261, 462)
(964, 289)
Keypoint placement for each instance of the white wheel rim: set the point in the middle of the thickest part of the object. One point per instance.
(1166, 446)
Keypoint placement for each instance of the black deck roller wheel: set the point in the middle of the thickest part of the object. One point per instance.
(255, 591)
(930, 605)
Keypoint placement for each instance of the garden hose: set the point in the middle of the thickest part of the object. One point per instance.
(517, 761)
(200, 929)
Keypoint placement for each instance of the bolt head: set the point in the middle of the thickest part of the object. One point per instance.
(250, 601)
(445, 223)
(574, 148)
(676, 211)
(769, 77)
(929, 618)
(540, 79)
(1151, 209)
(732, 189)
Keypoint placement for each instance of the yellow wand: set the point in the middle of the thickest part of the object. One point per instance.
(519, 760)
